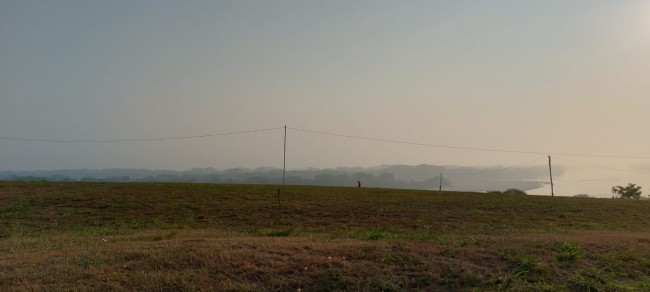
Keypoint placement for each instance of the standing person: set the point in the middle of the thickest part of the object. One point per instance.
(358, 184)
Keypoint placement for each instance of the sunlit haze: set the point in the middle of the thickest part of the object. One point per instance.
(562, 78)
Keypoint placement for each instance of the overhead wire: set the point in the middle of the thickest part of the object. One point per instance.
(557, 155)
(465, 148)
(499, 169)
(323, 133)
(139, 140)
(604, 167)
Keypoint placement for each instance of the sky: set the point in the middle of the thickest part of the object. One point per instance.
(551, 77)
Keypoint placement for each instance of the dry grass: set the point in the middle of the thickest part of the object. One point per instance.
(101, 236)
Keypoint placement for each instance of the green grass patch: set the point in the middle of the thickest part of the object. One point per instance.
(279, 233)
(72, 236)
(567, 251)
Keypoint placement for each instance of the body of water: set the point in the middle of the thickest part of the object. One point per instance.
(595, 183)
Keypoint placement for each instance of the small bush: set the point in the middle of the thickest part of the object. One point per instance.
(525, 264)
(377, 233)
(514, 191)
(280, 233)
(567, 252)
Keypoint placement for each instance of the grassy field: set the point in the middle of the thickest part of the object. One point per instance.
(177, 237)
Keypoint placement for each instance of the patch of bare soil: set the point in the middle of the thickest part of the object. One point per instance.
(595, 237)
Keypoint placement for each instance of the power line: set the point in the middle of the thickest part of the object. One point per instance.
(137, 140)
(604, 167)
(324, 133)
(466, 148)
(498, 169)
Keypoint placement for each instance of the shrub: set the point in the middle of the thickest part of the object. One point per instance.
(567, 251)
(631, 191)
(514, 191)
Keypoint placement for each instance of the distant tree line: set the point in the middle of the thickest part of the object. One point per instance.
(387, 176)
(383, 180)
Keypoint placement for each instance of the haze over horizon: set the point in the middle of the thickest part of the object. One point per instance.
(537, 76)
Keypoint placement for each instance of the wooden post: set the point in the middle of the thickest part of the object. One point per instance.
(550, 172)
(440, 185)
(284, 163)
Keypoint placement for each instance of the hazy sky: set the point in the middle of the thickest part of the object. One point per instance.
(544, 76)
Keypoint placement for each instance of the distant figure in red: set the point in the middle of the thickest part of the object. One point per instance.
(358, 184)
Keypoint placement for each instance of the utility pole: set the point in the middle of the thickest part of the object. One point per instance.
(550, 172)
(284, 163)
(440, 185)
